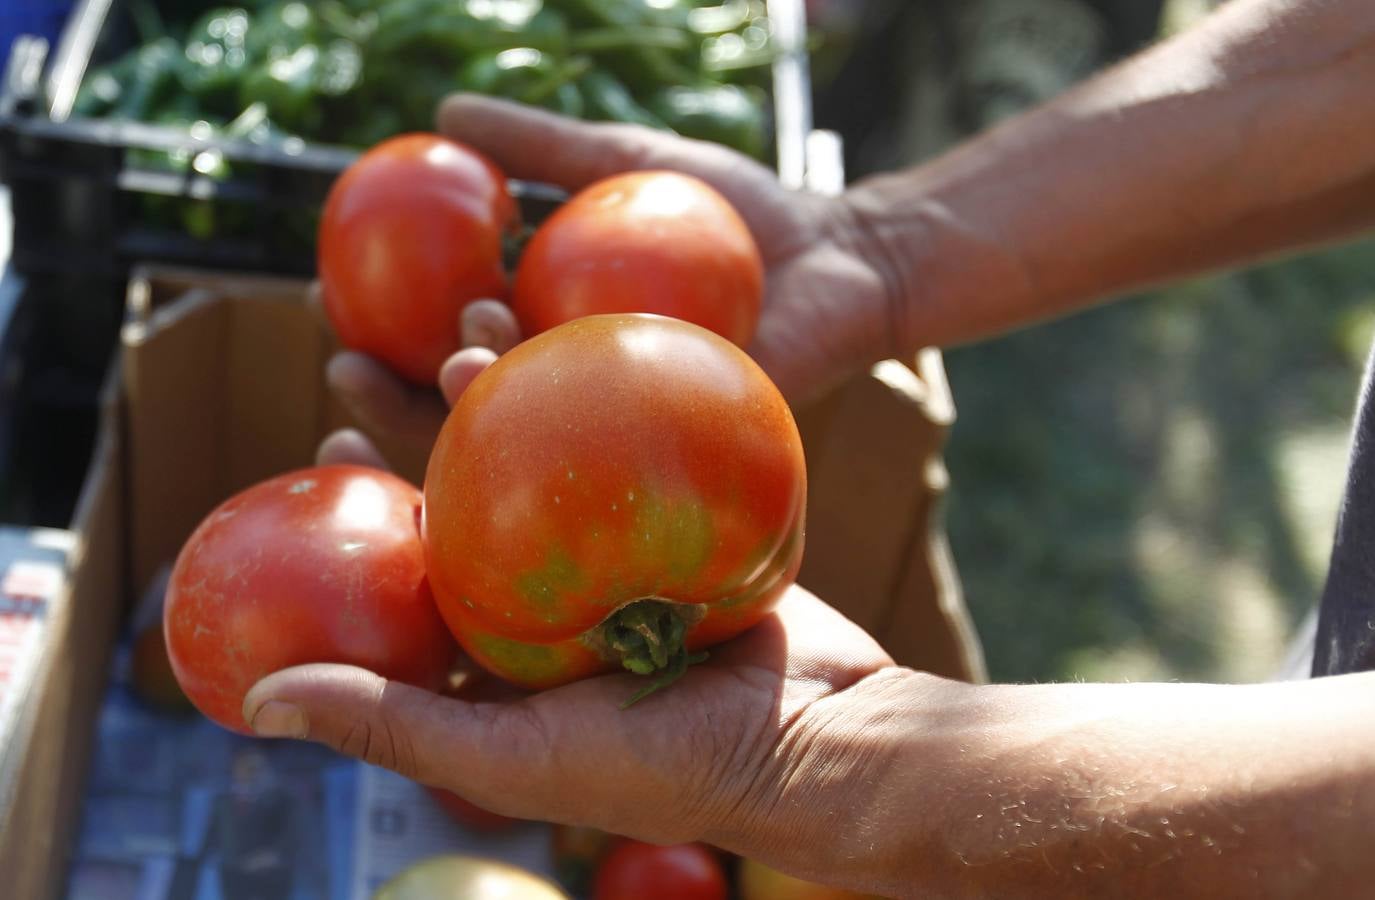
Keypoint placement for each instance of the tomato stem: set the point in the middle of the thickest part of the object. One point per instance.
(648, 637)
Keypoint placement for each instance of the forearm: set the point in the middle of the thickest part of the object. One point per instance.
(1246, 136)
(1150, 790)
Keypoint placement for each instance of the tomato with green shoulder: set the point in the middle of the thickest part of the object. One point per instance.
(621, 491)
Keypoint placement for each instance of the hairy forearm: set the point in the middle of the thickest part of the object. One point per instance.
(1246, 136)
(1149, 790)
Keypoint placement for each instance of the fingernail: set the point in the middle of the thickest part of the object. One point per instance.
(275, 719)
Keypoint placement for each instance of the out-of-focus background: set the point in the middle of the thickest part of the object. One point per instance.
(1146, 490)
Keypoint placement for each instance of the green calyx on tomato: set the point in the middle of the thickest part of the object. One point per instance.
(648, 637)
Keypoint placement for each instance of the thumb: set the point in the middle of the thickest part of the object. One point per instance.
(466, 747)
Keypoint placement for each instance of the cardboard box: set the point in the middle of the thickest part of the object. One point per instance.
(220, 384)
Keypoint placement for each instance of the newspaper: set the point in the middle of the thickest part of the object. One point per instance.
(33, 580)
(177, 808)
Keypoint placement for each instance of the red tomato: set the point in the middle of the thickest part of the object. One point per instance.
(470, 814)
(613, 459)
(757, 881)
(653, 242)
(321, 565)
(636, 871)
(410, 234)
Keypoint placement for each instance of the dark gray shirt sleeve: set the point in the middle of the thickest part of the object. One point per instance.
(1346, 621)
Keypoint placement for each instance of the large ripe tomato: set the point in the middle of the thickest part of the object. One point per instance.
(636, 871)
(614, 459)
(757, 881)
(410, 234)
(319, 565)
(467, 878)
(653, 242)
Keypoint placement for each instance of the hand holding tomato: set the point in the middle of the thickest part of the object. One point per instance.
(827, 311)
(726, 755)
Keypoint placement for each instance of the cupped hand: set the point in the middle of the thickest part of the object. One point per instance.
(729, 753)
(737, 752)
(828, 311)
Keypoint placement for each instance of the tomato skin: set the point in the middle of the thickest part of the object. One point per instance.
(410, 234)
(612, 459)
(652, 242)
(634, 871)
(321, 565)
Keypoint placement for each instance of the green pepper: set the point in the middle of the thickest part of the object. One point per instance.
(641, 63)
(279, 31)
(215, 56)
(530, 76)
(102, 89)
(289, 87)
(467, 27)
(151, 81)
(725, 114)
(609, 100)
(374, 128)
(731, 15)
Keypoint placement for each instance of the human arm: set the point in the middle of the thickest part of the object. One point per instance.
(802, 745)
(1246, 136)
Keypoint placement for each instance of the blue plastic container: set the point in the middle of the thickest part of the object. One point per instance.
(44, 18)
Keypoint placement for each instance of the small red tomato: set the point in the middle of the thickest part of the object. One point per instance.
(321, 565)
(635, 871)
(652, 242)
(410, 234)
(470, 814)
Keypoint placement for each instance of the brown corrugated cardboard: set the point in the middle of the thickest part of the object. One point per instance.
(40, 818)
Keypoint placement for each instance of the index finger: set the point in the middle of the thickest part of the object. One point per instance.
(538, 145)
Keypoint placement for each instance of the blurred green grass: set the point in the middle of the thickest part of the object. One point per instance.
(1147, 490)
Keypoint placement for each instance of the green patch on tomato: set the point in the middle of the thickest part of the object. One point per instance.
(560, 575)
(533, 661)
(679, 534)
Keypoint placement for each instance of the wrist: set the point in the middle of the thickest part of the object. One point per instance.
(946, 278)
(834, 803)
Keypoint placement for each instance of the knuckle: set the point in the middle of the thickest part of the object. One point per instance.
(380, 744)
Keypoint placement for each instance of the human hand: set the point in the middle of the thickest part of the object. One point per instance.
(730, 754)
(827, 310)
